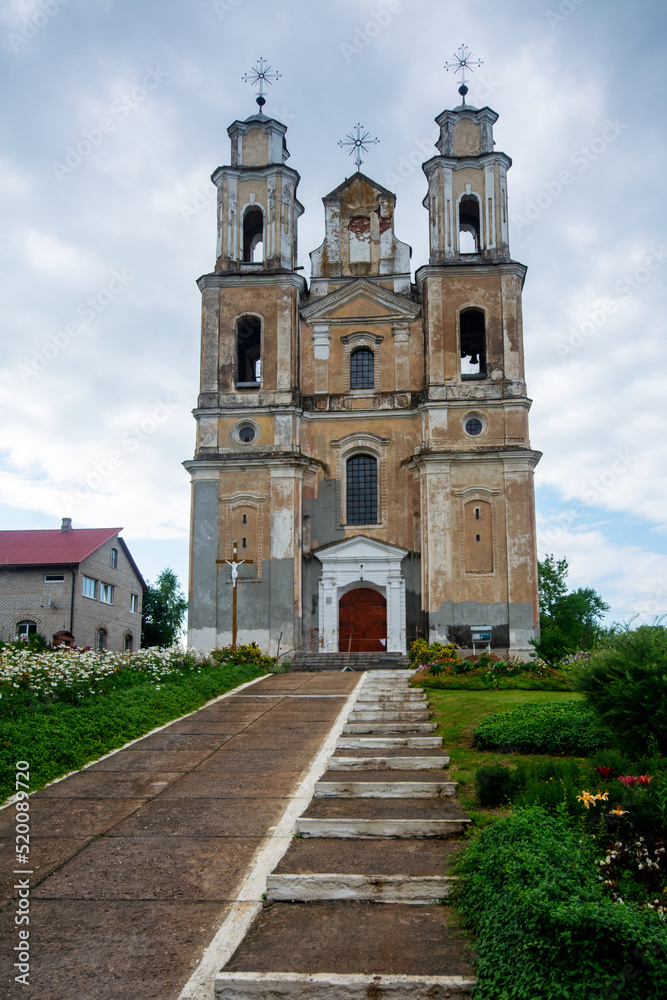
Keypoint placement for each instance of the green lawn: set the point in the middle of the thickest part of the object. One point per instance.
(457, 713)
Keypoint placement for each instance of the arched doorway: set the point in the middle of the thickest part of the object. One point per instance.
(362, 614)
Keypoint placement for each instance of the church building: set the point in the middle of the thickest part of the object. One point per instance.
(362, 438)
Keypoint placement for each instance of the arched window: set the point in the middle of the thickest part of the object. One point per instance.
(362, 369)
(362, 489)
(249, 348)
(127, 642)
(469, 228)
(114, 558)
(253, 236)
(26, 628)
(473, 343)
(101, 640)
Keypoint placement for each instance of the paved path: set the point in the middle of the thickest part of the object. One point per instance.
(139, 858)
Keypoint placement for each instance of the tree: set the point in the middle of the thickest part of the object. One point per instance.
(569, 622)
(164, 608)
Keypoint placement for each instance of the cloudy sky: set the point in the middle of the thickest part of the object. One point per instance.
(114, 115)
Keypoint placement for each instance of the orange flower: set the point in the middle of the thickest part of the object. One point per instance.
(617, 811)
(586, 798)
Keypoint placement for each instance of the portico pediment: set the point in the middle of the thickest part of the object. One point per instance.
(359, 548)
(360, 301)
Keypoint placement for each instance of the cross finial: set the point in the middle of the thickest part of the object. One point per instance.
(361, 141)
(462, 62)
(259, 76)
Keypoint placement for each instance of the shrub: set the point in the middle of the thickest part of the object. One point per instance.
(625, 682)
(251, 654)
(551, 727)
(421, 652)
(545, 926)
(494, 785)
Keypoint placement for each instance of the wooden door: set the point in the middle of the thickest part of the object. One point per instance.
(362, 613)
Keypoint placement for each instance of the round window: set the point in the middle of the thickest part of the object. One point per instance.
(473, 426)
(247, 434)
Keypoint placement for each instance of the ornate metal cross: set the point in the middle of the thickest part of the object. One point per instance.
(361, 141)
(462, 62)
(259, 76)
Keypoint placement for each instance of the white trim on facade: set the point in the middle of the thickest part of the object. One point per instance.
(361, 562)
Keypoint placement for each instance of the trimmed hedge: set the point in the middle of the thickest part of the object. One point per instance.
(486, 682)
(553, 727)
(545, 927)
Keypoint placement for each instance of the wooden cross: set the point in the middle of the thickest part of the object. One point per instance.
(234, 563)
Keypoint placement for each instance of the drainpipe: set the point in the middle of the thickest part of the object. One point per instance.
(71, 610)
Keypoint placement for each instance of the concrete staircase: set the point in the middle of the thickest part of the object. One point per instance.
(357, 661)
(377, 831)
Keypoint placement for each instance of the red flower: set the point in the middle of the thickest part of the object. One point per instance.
(605, 772)
(644, 779)
(627, 780)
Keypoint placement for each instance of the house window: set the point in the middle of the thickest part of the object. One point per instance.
(106, 593)
(362, 369)
(253, 236)
(54, 578)
(134, 603)
(101, 640)
(26, 628)
(127, 642)
(473, 343)
(248, 350)
(361, 489)
(114, 558)
(89, 587)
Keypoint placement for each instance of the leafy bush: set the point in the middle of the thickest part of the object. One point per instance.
(494, 785)
(244, 654)
(545, 926)
(625, 682)
(422, 652)
(552, 727)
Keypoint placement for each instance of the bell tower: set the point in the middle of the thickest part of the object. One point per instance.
(475, 464)
(246, 470)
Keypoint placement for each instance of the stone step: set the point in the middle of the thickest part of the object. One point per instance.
(389, 727)
(367, 694)
(351, 986)
(414, 889)
(395, 705)
(387, 763)
(417, 715)
(334, 827)
(345, 937)
(384, 789)
(387, 742)
(381, 856)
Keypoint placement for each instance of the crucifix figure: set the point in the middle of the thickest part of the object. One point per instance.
(234, 563)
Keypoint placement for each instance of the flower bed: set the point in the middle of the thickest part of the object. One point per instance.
(441, 667)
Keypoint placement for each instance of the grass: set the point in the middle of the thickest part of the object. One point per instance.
(58, 737)
(457, 713)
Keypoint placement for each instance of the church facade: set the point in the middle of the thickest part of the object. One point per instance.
(363, 438)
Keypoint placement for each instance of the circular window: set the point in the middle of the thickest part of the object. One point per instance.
(473, 426)
(247, 434)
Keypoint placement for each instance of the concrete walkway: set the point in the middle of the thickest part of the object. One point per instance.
(139, 860)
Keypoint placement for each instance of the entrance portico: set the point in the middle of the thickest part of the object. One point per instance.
(361, 563)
